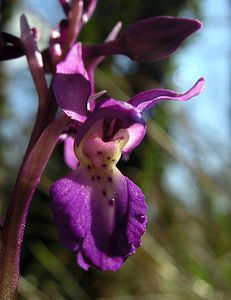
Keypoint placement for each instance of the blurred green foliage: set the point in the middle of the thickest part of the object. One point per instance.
(186, 252)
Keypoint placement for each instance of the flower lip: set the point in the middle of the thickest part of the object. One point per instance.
(104, 229)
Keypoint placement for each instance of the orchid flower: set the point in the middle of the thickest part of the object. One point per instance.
(100, 213)
(146, 40)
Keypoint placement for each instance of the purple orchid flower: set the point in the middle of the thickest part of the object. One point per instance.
(163, 35)
(100, 213)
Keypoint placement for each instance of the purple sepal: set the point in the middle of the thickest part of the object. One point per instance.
(71, 85)
(105, 230)
(73, 63)
(148, 99)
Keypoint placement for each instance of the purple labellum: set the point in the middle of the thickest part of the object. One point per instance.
(103, 221)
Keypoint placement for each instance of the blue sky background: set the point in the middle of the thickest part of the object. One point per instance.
(209, 56)
(208, 114)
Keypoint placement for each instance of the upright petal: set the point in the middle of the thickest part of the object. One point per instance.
(148, 99)
(71, 85)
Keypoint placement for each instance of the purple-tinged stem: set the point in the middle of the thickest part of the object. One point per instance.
(44, 117)
(104, 49)
(65, 5)
(74, 26)
(34, 59)
(110, 38)
(14, 226)
(47, 107)
(89, 10)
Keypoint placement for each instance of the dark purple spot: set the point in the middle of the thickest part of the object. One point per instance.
(93, 178)
(104, 165)
(121, 137)
(108, 157)
(111, 202)
(98, 177)
(99, 152)
(140, 218)
(109, 179)
(104, 192)
(89, 167)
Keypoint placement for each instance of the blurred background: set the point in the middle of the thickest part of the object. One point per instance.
(183, 165)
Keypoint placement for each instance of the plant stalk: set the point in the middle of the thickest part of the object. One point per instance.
(13, 230)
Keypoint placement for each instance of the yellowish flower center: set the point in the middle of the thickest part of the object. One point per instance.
(98, 159)
(97, 154)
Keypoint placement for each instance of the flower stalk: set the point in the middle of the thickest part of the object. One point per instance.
(14, 225)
